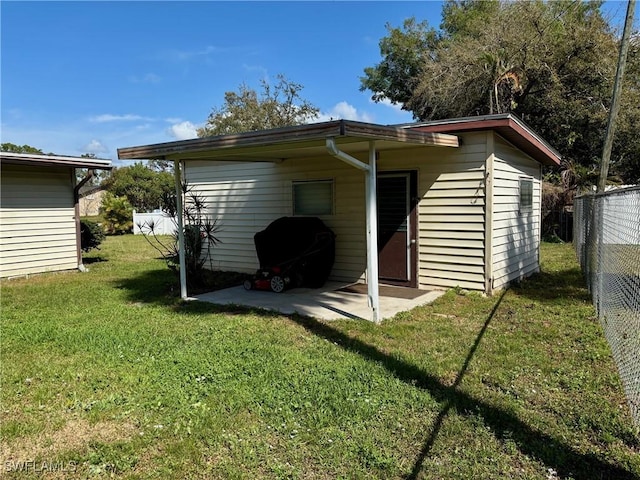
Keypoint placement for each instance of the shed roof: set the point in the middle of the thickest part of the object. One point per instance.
(30, 159)
(510, 127)
(290, 142)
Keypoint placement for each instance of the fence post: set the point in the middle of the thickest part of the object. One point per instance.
(600, 202)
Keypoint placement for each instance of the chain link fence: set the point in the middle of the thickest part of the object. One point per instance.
(606, 236)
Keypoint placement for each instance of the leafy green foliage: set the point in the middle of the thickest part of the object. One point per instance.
(246, 110)
(143, 187)
(551, 63)
(403, 52)
(117, 213)
(11, 147)
(160, 165)
(91, 235)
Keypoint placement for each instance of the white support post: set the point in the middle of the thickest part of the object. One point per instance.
(372, 234)
(181, 248)
(371, 213)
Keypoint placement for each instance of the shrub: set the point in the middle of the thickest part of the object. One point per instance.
(117, 213)
(91, 235)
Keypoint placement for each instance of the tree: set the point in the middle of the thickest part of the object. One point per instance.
(246, 110)
(551, 63)
(144, 188)
(161, 165)
(13, 148)
(98, 175)
(403, 52)
(117, 213)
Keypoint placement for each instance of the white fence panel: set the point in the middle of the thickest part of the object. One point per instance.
(162, 223)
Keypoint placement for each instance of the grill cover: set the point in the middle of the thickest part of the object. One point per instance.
(303, 246)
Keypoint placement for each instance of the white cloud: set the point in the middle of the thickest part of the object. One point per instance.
(183, 130)
(344, 111)
(107, 117)
(95, 146)
(388, 103)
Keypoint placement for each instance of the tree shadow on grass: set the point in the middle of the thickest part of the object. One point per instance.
(152, 286)
(91, 260)
(551, 451)
(544, 286)
(161, 287)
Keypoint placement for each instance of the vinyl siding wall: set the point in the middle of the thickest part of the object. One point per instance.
(450, 211)
(516, 235)
(37, 226)
(246, 197)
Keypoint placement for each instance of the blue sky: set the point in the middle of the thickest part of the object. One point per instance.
(91, 77)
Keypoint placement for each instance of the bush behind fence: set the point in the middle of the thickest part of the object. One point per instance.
(606, 236)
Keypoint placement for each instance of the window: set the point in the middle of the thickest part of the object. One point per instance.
(526, 195)
(313, 198)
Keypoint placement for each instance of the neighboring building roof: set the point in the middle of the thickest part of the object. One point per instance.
(282, 143)
(510, 127)
(53, 161)
(87, 190)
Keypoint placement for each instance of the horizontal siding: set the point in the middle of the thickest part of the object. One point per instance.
(516, 236)
(247, 197)
(450, 212)
(37, 221)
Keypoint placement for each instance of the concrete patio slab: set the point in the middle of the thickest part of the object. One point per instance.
(325, 303)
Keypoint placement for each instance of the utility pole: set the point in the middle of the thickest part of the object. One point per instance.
(615, 101)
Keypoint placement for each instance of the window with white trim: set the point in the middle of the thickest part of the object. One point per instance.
(526, 195)
(313, 197)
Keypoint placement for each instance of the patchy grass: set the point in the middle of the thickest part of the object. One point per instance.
(109, 374)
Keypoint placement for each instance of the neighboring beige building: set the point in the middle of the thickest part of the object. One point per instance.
(458, 201)
(39, 221)
(91, 200)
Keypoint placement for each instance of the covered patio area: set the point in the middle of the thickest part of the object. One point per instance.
(338, 139)
(334, 301)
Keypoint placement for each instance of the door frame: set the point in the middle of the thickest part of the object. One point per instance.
(412, 222)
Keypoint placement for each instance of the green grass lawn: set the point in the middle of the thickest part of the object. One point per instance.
(108, 374)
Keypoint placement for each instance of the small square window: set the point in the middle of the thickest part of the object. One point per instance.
(313, 198)
(526, 195)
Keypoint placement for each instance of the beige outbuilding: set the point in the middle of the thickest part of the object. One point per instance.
(39, 216)
(428, 205)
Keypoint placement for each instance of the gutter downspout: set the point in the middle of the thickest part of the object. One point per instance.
(177, 175)
(371, 217)
(76, 206)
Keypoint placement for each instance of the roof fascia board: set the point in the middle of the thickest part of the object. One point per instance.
(495, 122)
(256, 138)
(523, 130)
(287, 135)
(11, 158)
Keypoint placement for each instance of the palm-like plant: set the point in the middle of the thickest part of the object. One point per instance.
(200, 236)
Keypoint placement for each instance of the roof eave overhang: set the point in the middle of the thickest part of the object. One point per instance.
(9, 158)
(508, 126)
(286, 138)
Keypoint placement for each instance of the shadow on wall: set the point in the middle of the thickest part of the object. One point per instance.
(516, 255)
